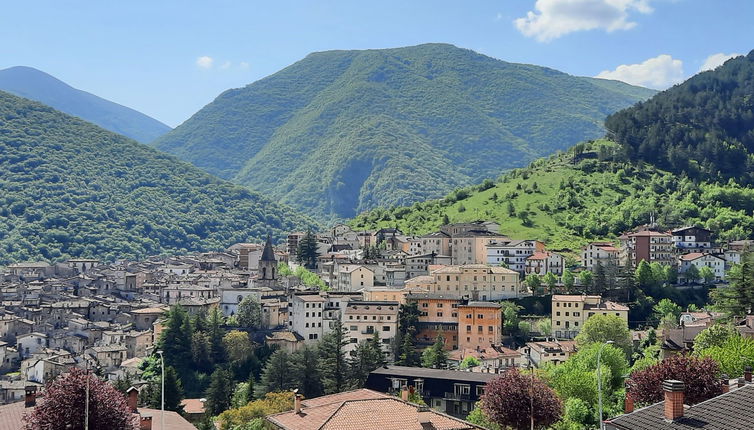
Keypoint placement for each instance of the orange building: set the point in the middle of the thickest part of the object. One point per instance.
(479, 324)
(437, 314)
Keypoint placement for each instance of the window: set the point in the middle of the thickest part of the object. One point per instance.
(480, 316)
(385, 328)
(439, 314)
(479, 390)
(480, 329)
(468, 329)
(354, 328)
(491, 329)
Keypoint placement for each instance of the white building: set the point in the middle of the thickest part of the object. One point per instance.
(541, 263)
(354, 277)
(363, 319)
(603, 252)
(305, 316)
(513, 253)
(700, 260)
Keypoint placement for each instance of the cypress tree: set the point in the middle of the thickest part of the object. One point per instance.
(332, 359)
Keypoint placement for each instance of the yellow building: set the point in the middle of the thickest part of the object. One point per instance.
(473, 281)
(570, 312)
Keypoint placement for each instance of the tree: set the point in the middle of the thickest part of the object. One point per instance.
(305, 367)
(173, 391)
(220, 392)
(601, 328)
(738, 298)
(237, 345)
(435, 356)
(534, 282)
(242, 395)
(409, 356)
(551, 281)
(469, 361)
(364, 359)
(201, 351)
(249, 313)
(568, 280)
(544, 326)
(699, 375)
(176, 339)
(734, 354)
(600, 279)
(692, 274)
(585, 279)
(644, 276)
(216, 334)
(308, 251)
(477, 416)
(277, 374)
(671, 274)
(333, 365)
(715, 335)
(408, 316)
(510, 317)
(508, 399)
(64, 400)
(665, 308)
(271, 403)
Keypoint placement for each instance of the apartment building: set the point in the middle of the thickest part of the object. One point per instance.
(363, 319)
(604, 253)
(570, 312)
(693, 238)
(648, 245)
(438, 314)
(513, 253)
(700, 260)
(473, 281)
(541, 263)
(479, 324)
(353, 277)
(305, 316)
(470, 247)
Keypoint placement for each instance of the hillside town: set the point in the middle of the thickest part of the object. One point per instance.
(109, 316)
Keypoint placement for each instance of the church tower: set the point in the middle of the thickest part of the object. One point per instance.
(267, 275)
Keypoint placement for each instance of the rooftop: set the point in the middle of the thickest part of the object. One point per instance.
(421, 372)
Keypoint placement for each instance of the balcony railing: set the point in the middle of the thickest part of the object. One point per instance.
(456, 396)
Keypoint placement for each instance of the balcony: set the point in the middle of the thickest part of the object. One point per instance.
(456, 396)
(368, 331)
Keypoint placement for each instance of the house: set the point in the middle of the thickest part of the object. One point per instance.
(289, 341)
(702, 318)
(305, 316)
(480, 325)
(700, 260)
(144, 318)
(438, 314)
(554, 352)
(493, 358)
(364, 410)
(470, 246)
(473, 281)
(648, 245)
(570, 312)
(693, 238)
(437, 243)
(513, 253)
(730, 410)
(353, 277)
(679, 340)
(449, 391)
(604, 253)
(28, 344)
(418, 265)
(363, 319)
(541, 263)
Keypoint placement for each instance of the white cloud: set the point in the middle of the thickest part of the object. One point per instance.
(659, 72)
(715, 60)
(554, 18)
(244, 65)
(205, 62)
(226, 65)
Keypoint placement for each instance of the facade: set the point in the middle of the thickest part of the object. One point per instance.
(700, 260)
(438, 314)
(570, 312)
(512, 253)
(689, 239)
(354, 277)
(479, 325)
(305, 316)
(603, 252)
(267, 275)
(474, 281)
(470, 247)
(364, 319)
(650, 246)
(541, 263)
(555, 352)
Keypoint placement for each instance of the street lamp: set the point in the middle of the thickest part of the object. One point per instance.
(599, 380)
(529, 363)
(162, 391)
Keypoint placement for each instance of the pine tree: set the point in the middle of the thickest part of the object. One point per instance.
(216, 333)
(332, 359)
(176, 339)
(308, 251)
(409, 356)
(306, 375)
(277, 374)
(364, 359)
(600, 280)
(220, 392)
(738, 298)
(173, 391)
(435, 356)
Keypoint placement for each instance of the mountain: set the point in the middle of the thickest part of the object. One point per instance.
(590, 192)
(72, 189)
(37, 85)
(343, 131)
(703, 127)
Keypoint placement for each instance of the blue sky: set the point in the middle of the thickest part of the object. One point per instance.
(170, 58)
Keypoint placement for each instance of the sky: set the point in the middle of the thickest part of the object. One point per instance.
(168, 58)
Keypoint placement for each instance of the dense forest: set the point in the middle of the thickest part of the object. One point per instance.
(590, 192)
(703, 127)
(39, 86)
(344, 131)
(72, 189)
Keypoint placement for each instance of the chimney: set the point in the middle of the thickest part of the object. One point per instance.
(133, 398)
(424, 415)
(145, 423)
(31, 396)
(741, 382)
(747, 373)
(725, 383)
(404, 394)
(629, 404)
(673, 399)
(297, 403)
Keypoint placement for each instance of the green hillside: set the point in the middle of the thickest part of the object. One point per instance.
(72, 189)
(703, 127)
(37, 85)
(343, 131)
(591, 192)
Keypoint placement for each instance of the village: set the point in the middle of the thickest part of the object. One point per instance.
(87, 313)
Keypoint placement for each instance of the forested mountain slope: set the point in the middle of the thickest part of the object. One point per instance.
(590, 192)
(703, 127)
(71, 189)
(343, 131)
(37, 85)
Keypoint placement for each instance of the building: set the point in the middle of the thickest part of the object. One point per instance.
(513, 253)
(555, 352)
(470, 247)
(305, 316)
(570, 312)
(604, 253)
(474, 281)
(363, 319)
(541, 263)
(493, 358)
(449, 391)
(480, 325)
(267, 276)
(648, 245)
(418, 265)
(730, 410)
(354, 277)
(438, 315)
(364, 410)
(692, 239)
(700, 260)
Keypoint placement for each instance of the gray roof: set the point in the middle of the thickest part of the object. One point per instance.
(729, 411)
(421, 372)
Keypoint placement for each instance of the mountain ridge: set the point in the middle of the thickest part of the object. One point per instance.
(343, 131)
(34, 84)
